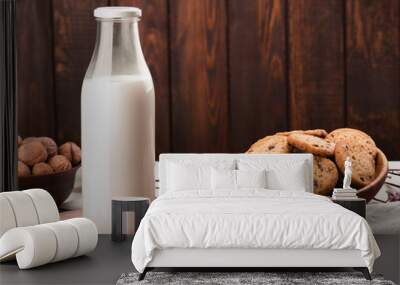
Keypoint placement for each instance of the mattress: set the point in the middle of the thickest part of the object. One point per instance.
(251, 219)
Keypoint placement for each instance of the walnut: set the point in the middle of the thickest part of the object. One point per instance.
(32, 152)
(60, 163)
(29, 139)
(19, 140)
(49, 144)
(23, 169)
(41, 168)
(71, 151)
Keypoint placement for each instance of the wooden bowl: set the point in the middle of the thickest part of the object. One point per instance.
(368, 192)
(59, 185)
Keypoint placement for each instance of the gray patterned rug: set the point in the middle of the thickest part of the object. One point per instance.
(229, 278)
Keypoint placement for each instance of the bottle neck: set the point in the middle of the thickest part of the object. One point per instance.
(117, 50)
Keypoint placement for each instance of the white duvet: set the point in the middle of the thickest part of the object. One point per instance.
(250, 219)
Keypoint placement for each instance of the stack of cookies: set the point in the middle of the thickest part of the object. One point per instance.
(330, 151)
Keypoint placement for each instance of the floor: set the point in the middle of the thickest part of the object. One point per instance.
(102, 266)
(107, 263)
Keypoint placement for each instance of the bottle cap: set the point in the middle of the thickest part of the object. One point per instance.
(117, 12)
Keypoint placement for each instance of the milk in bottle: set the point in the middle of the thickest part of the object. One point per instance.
(117, 108)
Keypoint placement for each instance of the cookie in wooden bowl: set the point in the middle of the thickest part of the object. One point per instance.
(325, 174)
(271, 144)
(312, 144)
(381, 170)
(349, 134)
(362, 160)
(339, 131)
(316, 132)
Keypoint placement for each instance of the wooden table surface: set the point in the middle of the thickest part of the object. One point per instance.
(65, 215)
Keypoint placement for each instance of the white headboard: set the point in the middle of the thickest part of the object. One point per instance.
(293, 157)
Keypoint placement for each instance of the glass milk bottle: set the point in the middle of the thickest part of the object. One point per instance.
(117, 117)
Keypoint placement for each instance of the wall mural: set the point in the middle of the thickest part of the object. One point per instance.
(226, 72)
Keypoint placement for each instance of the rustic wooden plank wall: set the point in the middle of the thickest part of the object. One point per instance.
(258, 70)
(35, 78)
(226, 72)
(316, 69)
(199, 76)
(373, 70)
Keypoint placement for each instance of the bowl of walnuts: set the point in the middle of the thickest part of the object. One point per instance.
(43, 164)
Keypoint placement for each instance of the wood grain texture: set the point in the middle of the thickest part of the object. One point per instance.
(316, 64)
(226, 72)
(153, 28)
(199, 76)
(74, 39)
(35, 101)
(257, 61)
(373, 71)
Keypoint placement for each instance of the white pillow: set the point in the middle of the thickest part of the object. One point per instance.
(181, 177)
(223, 179)
(251, 178)
(281, 175)
(236, 179)
(192, 174)
(291, 181)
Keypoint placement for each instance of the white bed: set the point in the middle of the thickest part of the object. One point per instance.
(248, 226)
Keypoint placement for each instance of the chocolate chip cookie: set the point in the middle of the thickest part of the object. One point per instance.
(348, 134)
(317, 132)
(362, 160)
(271, 144)
(326, 175)
(312, 144)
